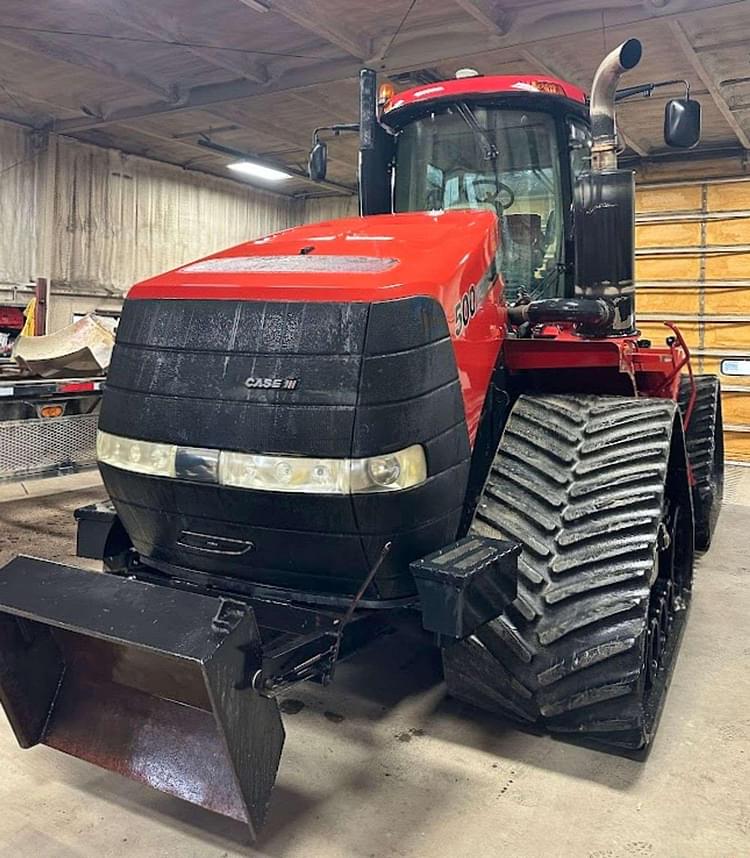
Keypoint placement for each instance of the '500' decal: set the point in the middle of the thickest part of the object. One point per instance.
(466, 309)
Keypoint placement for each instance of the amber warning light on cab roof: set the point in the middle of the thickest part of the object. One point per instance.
(386, 92)
(548, 86)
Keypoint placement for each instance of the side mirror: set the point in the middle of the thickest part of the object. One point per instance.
(317, 165)
(682, 123)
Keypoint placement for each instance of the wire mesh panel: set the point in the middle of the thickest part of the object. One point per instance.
(35, 447)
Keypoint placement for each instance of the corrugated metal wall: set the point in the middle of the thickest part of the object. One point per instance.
(693, 267)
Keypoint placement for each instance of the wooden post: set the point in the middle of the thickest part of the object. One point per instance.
(40, 313)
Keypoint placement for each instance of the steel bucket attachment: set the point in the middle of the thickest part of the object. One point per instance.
(146, 681)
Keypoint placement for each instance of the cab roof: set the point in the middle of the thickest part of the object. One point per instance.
(481, 85)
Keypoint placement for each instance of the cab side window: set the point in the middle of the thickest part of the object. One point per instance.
(580, 148)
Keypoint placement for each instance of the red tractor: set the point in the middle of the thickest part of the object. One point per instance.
(442, 407)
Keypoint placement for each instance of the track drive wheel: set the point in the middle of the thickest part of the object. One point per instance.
(596, 491)
(705, 446)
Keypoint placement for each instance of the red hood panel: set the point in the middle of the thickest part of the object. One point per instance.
(353, 259)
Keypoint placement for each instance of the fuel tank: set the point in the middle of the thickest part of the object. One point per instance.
(339, 342)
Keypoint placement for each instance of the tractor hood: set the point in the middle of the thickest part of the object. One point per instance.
(349, 340)
(353, 259)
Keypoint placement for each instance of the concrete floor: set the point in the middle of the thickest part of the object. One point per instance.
(383, 764)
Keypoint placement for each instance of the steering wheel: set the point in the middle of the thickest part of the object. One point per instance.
(500, 195)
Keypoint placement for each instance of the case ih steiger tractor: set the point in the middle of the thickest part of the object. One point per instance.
(442, 408)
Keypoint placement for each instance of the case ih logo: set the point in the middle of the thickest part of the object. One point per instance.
(253, 383)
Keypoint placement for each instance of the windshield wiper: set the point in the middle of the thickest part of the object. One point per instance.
(491, 152)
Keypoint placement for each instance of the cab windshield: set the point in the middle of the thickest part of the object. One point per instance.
(472, 156)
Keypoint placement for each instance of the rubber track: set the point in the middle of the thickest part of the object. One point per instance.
(705, 445)
(579, 482)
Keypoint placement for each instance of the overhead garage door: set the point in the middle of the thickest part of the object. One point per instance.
(693, 267)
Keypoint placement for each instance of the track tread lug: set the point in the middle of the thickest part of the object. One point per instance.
(580, 483)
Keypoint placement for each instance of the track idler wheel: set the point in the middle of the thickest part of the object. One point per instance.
(704, 439)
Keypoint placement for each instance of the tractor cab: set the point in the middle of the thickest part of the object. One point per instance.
(508, 144)
(515, 145)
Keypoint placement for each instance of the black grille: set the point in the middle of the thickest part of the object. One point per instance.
(369, 379)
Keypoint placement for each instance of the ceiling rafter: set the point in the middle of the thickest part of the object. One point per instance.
(308, 15)
(150, 21)
(212, 94)
(710, 83)
(46, 47)
(223, 111)
(330, 71)
(533, 59)
(324, 105)
(489, 13)
(228, 112)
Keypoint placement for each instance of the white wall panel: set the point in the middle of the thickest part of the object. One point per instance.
(329, 208)
(18, 172)
(120, 218)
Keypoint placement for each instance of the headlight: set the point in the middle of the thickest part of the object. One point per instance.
(390, 472)
(283, 473)
(400, 470)
(143, 457)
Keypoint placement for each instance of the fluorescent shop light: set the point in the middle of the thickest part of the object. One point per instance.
(259, 171)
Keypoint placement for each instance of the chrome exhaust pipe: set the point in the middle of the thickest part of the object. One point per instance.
(603, 124)
(603, 302)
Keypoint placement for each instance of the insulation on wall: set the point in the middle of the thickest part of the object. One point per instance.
(18, 218)
(318, 209)
(119, 218)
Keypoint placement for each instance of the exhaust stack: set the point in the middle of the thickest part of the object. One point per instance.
(603, 122)
(604, 205)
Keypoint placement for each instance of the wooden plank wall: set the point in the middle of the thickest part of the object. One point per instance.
(693, 267)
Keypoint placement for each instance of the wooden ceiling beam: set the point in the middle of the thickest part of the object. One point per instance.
(332, 71)
(709, 82)
(308, 15)
(489, 13)
(213, 94)
(47, 48)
